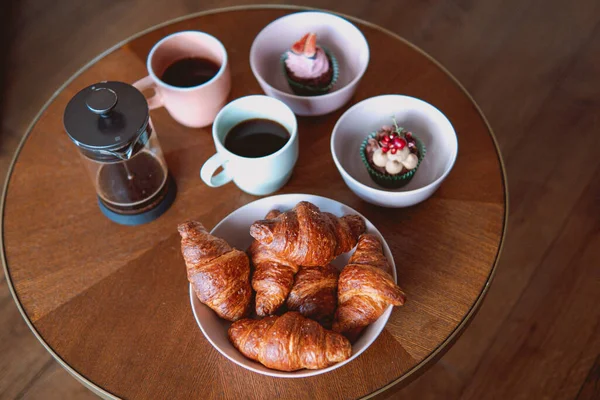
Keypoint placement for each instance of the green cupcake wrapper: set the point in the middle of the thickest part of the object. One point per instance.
(391, 181)
(305, 90)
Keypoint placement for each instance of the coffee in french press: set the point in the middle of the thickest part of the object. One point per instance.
(110, 124)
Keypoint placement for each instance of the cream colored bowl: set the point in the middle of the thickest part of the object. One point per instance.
(234, 229)
(423, 119)
(335, 33)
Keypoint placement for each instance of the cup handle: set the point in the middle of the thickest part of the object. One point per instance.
(209, 168)
(146, 83)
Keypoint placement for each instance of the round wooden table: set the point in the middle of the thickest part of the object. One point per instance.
(111, 302)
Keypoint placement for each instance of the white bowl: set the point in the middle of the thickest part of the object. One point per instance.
(335, 33)
(423, 119)
(235, 230)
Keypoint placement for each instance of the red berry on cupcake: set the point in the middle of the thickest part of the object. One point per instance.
(399, 143)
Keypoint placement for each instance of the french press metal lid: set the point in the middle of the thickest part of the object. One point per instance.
(108, 121)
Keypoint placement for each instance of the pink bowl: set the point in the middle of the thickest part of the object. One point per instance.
(338, 35)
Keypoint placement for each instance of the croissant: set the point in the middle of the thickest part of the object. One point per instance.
(365, 288)
(273, 276)
(289, 342)
(314, 293)
(306, 236)
(219, 274)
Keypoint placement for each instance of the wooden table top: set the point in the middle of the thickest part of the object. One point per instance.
(111, 302)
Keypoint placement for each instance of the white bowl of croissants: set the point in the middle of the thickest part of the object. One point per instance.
(290, 286)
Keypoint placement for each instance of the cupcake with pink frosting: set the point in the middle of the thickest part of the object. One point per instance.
(310, 69)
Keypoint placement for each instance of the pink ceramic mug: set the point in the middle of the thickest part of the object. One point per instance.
(195, 106)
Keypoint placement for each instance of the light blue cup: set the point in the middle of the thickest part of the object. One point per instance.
(257, 176)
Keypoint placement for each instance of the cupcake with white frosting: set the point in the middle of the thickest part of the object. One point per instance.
(310, 69)
(392, 156)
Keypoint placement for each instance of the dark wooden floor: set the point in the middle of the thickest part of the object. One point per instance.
(534, 68)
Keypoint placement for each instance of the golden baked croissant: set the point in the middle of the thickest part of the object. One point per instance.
(314, 293)
(365, 288)
(289, 342)
(219, 274)
(273, 276)
(306, 236)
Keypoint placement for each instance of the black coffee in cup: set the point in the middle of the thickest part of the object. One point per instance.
(257, 137)
(189, 72)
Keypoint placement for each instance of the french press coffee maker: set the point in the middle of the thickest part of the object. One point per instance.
(110, 123)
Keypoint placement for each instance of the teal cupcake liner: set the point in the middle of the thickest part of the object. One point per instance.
(306, 90)
(391, 181)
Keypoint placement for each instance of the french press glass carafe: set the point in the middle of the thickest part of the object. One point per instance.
(110, 124)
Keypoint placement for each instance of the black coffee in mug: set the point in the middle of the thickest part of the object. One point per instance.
(189, 72)
(255, 138)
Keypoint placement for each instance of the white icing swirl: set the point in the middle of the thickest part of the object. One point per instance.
(411, 161)
(393, 167)
(393, 163)
(380, 158)
(308, 67)
(400, 154)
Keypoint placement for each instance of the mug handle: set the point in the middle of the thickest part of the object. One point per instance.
(209, 168)
(146, 83)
